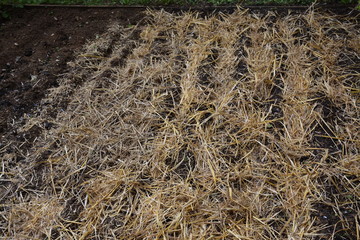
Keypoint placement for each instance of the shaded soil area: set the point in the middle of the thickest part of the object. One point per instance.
(35, 46)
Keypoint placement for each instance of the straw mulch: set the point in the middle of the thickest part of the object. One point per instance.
(238, 126)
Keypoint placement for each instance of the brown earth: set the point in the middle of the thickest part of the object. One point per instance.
(35, 46)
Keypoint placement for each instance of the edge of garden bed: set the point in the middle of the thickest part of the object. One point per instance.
(197, 7)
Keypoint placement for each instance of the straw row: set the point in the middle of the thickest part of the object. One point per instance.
(238, 126)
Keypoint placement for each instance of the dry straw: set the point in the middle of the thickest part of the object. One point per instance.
(239, 126)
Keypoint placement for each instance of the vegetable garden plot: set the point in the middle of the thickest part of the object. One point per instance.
(239, 126)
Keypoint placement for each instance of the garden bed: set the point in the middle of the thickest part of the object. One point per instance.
(186, 125)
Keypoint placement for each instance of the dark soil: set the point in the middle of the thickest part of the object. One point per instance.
(35, 46)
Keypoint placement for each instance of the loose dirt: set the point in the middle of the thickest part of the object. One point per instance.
(35, 46)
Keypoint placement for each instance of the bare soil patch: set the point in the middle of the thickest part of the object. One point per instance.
(35, 46)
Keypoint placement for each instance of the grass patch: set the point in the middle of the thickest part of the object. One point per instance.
(172, 2)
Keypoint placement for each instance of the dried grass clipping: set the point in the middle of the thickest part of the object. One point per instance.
(238, 126)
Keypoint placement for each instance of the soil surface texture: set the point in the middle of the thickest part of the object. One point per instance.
(35, 46)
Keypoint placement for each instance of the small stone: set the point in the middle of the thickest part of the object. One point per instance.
(33, 77)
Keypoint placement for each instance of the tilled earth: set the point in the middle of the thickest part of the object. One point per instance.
(35, 46)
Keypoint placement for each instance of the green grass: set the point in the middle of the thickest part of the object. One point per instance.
(171, 2)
